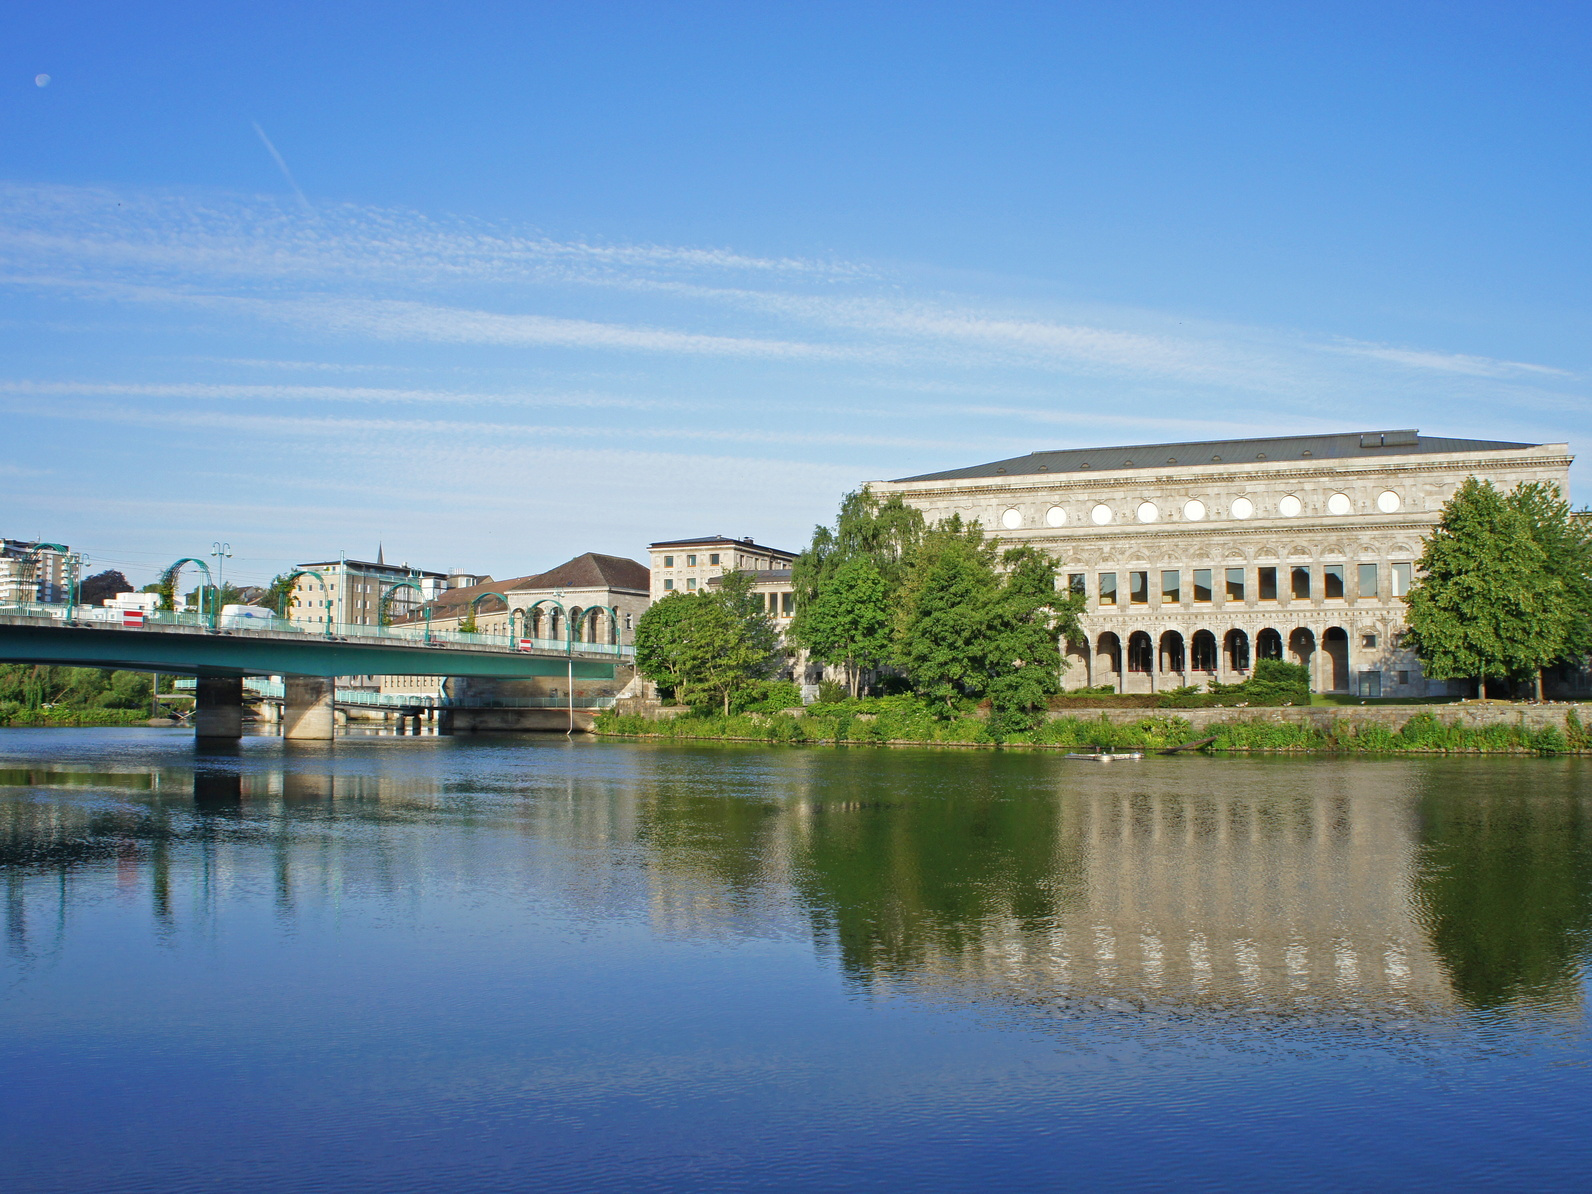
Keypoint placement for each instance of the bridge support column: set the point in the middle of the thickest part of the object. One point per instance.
(307, 708)
(218, 707)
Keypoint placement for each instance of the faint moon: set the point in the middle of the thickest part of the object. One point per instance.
(41, 80)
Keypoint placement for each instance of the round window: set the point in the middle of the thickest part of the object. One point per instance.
(1290, 507)
(1388, 502)
(1243, 508)
(1148, 512)
(1194, 510)
(1012, 519)
(1055, 517)
(1100, 515)
(1339, 503)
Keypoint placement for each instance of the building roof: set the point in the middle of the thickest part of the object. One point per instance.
(595, 571)
(714, 540)
(590, 571)
(1352, 445)
(370, 566)
(764, 576)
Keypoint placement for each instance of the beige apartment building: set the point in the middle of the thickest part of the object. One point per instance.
(1197, 558)
(686, 565)
(348, 592)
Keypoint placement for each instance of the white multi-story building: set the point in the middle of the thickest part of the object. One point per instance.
(30, 571)
(686, 565)
(1196, 558)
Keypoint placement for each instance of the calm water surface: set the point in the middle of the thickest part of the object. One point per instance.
(512, 964)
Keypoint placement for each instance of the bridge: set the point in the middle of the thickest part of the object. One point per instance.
(221, 655)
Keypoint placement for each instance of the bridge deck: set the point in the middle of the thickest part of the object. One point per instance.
(44, 634)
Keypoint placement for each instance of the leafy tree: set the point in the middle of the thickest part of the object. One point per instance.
(942, 623)
(708, 643)
(849, 622)
(102, 586)
(1489, 603)
(661, 633)
(1026, 622)
(887, 532)
(277, 593)
(1566, 543)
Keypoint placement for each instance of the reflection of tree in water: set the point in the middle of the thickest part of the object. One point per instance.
(891, 886)
(1504, 885)
(892, 864)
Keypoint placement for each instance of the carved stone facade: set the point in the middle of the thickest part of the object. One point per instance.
(1198, 558)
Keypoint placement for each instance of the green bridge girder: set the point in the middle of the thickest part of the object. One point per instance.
(186, 651)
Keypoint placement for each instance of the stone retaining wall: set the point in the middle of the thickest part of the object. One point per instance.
(1473, 716)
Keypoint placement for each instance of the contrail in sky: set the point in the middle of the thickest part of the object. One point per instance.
(286, 173)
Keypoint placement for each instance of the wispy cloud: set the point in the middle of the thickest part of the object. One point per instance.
(282, 166)
(619, 392)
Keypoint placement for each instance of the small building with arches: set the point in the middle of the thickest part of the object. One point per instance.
(1196, 559)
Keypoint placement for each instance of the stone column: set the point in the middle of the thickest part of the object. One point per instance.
(218, 707)
(307, 708)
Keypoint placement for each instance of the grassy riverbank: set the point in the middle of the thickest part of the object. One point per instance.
(905, 721)
(72, 716)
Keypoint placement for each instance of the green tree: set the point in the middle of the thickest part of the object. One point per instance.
(1025, 625)
(661, 633)
(708, 644)
(849, 622)
(1488, 604)
(942, 621)
(277, 593)
(1566, 542)
(887, 532)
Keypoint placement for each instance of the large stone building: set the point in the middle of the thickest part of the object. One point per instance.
(1197, 558)
(593, 598)
(686, 565)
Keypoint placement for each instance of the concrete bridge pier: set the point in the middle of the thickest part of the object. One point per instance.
(218, 707)
(308, 708)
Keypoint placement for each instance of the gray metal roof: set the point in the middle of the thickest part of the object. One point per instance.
(1352, 445)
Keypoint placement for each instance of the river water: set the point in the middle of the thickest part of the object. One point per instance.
(523, 964)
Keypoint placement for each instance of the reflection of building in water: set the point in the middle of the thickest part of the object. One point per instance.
(1272, 902)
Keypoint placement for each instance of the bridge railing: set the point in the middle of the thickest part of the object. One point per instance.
(407, 634)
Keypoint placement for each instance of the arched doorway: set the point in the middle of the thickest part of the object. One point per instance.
(1202, 650)
(1238, 650)
(1108, 660)
(1268, 644)
(1335, 642)
(1172, 653)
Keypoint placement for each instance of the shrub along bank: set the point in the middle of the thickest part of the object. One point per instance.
(907, 720)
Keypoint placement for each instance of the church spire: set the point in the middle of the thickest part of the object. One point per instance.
(379, 559)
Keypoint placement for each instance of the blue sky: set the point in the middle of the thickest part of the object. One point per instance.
(531, 279)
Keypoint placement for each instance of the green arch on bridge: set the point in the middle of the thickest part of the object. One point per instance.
(386, 596)
(287, 593)
(169, 577)
(65, 552)
(562, 608)
(476, 600)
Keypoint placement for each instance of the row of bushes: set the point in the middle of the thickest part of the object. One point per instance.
(14, 713)
(905, 719)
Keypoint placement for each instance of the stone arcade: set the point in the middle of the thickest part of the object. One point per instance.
(1198, 558)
